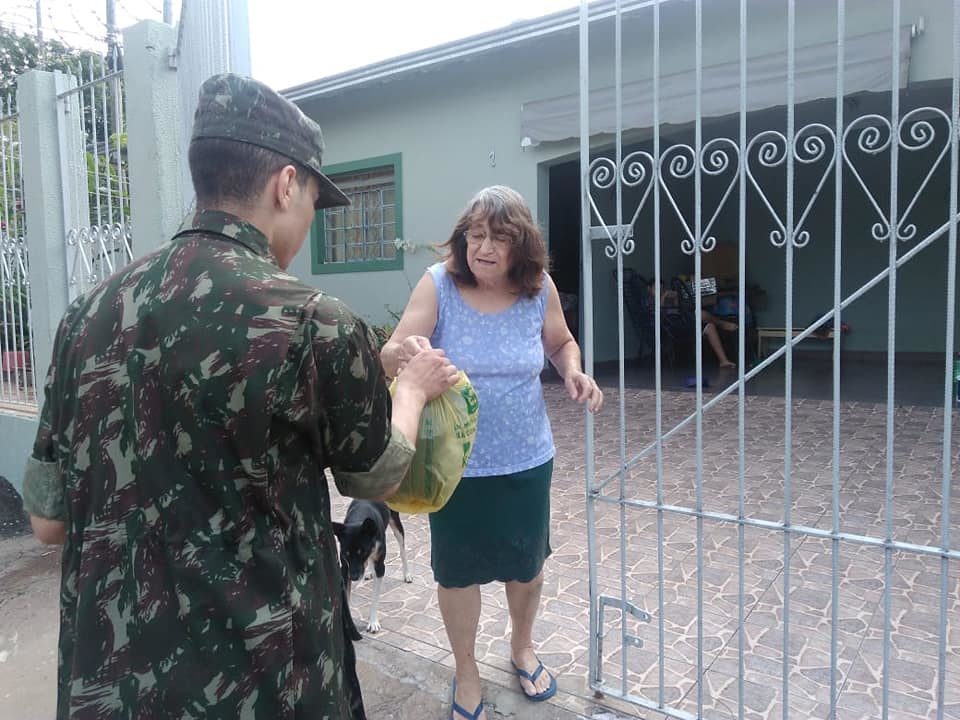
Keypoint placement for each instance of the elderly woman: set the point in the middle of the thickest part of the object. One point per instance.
(495, 312)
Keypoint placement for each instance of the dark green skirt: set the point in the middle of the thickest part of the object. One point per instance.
(493, 529)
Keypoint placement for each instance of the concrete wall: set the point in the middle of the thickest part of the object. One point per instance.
(446, 123)
(154, 133)
(43, 186)
(18, 434)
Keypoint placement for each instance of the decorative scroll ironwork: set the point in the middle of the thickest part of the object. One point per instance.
(718, 157)
(925, 131)
(872, 135)
(96, 252)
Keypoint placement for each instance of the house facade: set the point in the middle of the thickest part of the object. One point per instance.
(433, 127)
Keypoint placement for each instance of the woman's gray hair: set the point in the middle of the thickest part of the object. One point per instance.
(508, 214)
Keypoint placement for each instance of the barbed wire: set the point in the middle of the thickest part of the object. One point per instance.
(28, 26)
(15, 18)
(89, 27)
(92, 9)
(85, 33)
(157, 11)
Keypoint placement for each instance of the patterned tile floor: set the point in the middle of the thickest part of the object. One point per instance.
(411, 618)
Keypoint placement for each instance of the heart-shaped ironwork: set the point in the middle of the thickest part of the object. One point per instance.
(717, 158)
(635, 171)
(872, 135)
(813, 145)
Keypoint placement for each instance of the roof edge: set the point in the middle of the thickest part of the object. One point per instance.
(460, 49)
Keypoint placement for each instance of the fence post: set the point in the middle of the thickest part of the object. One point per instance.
(153, 134)
(43, 185)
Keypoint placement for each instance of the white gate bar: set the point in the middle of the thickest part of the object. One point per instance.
(891, 361)
(96, 140)
(106, 139)
(837, 278)
(121, 130)
(777, 354)
(698, 308)
(622, 404)
(805, 530)
(741, 362)
(788, 363)
(657, 354)
(949, 391)
(586, 283)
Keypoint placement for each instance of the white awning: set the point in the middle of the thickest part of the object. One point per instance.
(867, 68)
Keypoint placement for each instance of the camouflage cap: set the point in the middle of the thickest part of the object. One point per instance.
(233, 107)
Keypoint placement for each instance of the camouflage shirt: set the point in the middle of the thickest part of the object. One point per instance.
(192, 404)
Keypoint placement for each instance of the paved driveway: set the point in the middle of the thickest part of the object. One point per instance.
(411, 618)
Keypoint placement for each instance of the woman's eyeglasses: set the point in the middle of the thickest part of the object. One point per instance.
(476, 237)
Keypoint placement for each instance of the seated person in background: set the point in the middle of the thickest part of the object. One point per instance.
(708, 323)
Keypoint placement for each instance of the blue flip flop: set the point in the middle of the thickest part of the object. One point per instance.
(457, 710)
(532, 677)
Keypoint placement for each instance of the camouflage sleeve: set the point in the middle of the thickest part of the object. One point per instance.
(43, 487)
(366, 458)
(386, 472)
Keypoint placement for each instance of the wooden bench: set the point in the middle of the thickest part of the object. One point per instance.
(779, 333)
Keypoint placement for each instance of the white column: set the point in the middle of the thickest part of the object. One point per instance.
(43, 186)
(154, 155)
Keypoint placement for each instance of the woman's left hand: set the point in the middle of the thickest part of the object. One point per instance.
(584, 388)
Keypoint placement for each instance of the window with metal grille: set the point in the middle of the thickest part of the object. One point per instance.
(363, 235)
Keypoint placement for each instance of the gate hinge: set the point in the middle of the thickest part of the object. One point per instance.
(624, 605)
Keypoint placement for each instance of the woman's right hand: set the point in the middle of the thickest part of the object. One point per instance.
(410, 348)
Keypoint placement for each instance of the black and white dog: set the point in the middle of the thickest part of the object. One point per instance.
(363, 545)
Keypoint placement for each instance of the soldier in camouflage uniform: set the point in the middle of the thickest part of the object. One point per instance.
(192, 403)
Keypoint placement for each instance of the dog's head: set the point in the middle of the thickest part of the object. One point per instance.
(357, 543)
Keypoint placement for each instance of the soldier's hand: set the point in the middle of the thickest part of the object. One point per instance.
(428, 373)
(409, 348)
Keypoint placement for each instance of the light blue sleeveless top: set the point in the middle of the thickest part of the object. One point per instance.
(502, 353)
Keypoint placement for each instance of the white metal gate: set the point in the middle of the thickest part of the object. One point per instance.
(17, 383)
(96, 185)
(901, 165)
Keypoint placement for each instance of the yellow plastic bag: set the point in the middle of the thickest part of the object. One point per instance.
(448, 426)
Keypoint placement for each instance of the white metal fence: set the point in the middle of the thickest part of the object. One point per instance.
(90, 133)
(93, 145)
(17, 389)
(704, 188)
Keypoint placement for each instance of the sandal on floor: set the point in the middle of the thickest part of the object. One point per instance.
(456, 711)
(532, 677)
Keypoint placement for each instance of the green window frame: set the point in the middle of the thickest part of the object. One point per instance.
(357, 238)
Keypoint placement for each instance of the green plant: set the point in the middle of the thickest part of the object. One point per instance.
(383, 331)
(106, 178)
